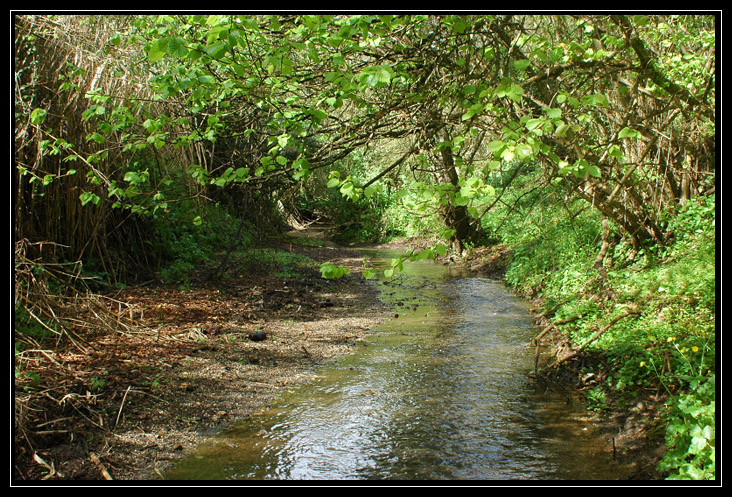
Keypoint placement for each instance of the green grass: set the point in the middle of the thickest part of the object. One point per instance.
(282, 264)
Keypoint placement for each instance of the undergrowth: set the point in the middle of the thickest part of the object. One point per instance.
(190, 238)
(657, 313)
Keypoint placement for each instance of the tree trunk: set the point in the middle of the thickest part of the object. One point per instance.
(456, 217)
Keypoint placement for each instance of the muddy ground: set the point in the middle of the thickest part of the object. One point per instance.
(197, 362)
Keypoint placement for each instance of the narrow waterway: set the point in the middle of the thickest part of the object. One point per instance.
(440, 392)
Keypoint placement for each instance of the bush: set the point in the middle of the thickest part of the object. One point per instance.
(669, 346)
(556, 257)
(189, 237)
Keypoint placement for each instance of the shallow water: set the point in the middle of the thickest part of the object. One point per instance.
(440, 392)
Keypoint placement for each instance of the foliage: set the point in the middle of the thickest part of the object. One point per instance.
(356, 215)
(597, 400)
(691, 434)
(282, 263)
(187, 240)
(669, 346)
(273, 99)
(553, 244)
(330, 271)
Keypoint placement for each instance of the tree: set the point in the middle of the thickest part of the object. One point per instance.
(617, 109)
(612, 118)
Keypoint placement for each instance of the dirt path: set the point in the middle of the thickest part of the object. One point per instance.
(196, 365)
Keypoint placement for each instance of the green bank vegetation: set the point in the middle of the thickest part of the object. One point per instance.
(149, 148)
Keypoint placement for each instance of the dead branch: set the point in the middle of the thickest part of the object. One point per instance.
(594, 337)
(552, 325)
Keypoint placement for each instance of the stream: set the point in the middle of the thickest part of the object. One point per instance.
(440, 392)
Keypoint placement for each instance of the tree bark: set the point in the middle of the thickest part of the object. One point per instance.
(456, 217)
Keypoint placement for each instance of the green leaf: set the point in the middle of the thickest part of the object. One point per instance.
(496, 146)
(318, 115)
(473, 110)
(177, 47)
(532, 124)
(629, 133)
(553, 113)
(508, 154)
(514, 92)
(371, 190)
(97, 137)
(597, 99)
(376, 76)
(347, 189)
(369, 273)
(698, 443)
(615, 151)
(87, 197)
(443, 145)
(331, 271)
(158, 49)
(423, 255)
(524, 151)
(197, 221)
(593, 171)
(283, 140)
(132, 177)
(565, 130)
(460, 199)
(579, 168)
(38, 116)
(468, 90)
(521, 64)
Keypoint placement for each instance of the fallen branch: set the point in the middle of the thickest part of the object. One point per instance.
(121, 406)
(593, 338)
(546, 330)
(93, 458)
(547, 312)
(49, 467)
(552, 325)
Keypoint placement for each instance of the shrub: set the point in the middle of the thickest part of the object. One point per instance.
(189, 237)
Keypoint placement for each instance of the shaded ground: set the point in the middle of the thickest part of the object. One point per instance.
(194, 366)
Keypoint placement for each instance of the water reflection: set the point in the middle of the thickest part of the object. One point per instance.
(440, 393)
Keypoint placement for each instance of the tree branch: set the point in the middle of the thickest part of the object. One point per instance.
(594, 337)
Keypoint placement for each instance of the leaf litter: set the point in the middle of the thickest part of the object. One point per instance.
(197, 359)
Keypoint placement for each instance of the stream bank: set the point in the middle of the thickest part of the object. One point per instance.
(632, 430)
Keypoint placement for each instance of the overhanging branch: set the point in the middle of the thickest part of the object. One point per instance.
(394, 165)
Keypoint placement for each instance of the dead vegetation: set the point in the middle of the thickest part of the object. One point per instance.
(127, 381)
